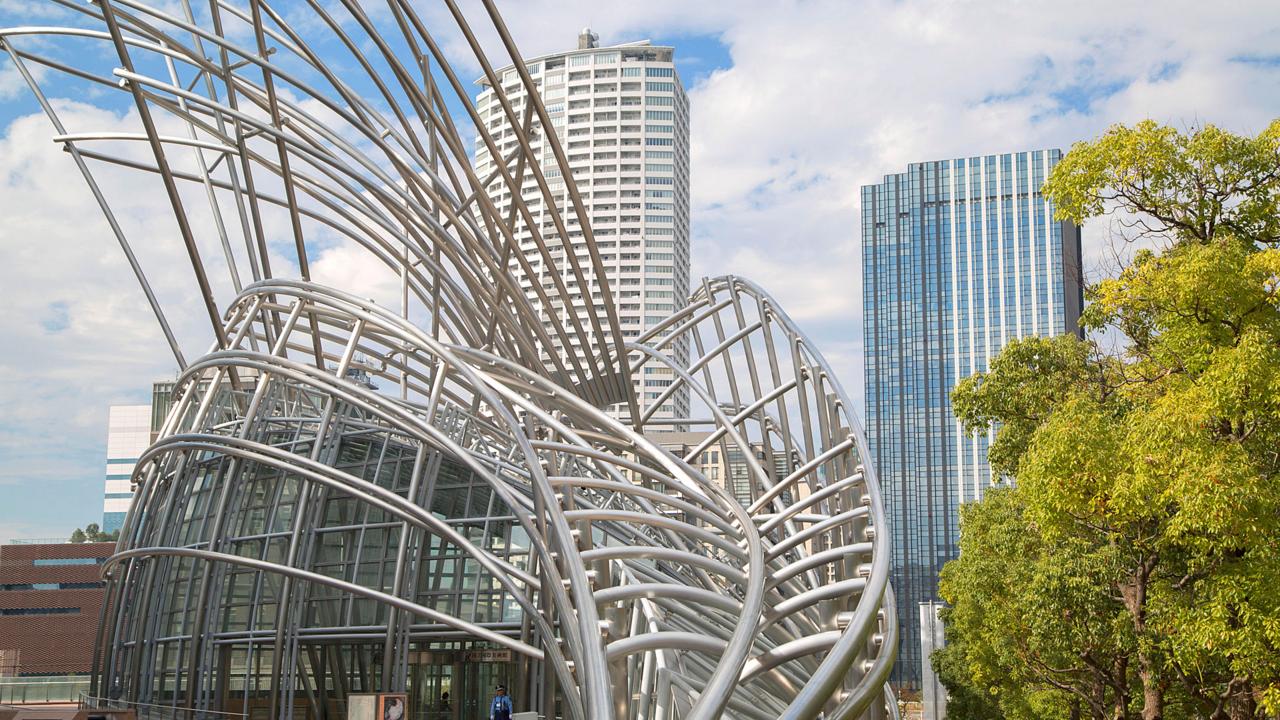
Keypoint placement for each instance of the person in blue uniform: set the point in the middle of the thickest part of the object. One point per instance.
(500, 708)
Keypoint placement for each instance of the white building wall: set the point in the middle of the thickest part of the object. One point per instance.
(128, 435)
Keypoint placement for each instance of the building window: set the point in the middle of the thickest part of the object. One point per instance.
(39, 611)
(68, 561)
(54, 586)
(659, 72)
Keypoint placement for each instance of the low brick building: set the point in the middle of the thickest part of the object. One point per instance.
(50, 601)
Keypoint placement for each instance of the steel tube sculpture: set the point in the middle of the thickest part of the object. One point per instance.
(299, 535)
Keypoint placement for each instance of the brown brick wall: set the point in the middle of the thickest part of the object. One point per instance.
(49, 644)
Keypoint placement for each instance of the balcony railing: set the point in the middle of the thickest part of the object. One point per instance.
(42, 690)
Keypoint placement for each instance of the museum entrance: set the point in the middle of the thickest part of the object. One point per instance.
(467, 676)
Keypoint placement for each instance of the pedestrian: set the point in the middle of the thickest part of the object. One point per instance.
(500, 708)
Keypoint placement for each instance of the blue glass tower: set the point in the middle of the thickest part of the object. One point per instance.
(959, 258)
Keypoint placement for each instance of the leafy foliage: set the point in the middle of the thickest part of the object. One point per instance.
(92, 533)
(1196, 185)
(1133, 569)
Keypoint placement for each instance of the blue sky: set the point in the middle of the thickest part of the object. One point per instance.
(794, 105)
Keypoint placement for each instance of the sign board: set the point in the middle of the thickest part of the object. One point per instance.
(362, 707)
(486, 656)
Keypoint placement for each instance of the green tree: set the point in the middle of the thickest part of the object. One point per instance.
(92, 533)
(1032, 631)
(1149, 472)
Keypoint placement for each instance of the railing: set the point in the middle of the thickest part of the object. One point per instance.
(42, 690)
(153, 711)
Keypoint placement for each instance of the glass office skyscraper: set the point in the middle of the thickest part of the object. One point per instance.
(959, 258)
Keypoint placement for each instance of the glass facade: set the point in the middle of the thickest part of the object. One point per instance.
(191, 633)
(959, 258)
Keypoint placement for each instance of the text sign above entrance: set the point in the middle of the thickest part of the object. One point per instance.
(492, 656)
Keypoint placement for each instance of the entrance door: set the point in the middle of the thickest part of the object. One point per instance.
(476, 686)
(434, 696)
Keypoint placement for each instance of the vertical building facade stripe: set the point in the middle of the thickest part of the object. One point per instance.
(1029, 181)
(1017, 249)
(955, 324)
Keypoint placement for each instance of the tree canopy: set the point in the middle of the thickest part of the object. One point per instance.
(1131, 567)
(92, 533)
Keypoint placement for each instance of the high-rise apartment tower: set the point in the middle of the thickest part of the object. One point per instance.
(622, 117)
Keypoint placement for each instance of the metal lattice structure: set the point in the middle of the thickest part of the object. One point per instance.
(299, 535)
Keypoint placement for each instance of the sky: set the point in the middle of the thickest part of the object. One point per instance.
(794, 106)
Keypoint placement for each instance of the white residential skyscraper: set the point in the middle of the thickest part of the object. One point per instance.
(622, 117)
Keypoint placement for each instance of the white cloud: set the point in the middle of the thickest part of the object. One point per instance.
(77, 332)
(12, 83)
